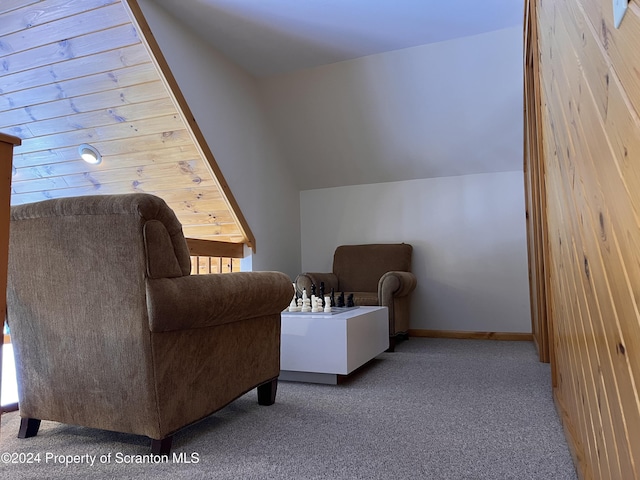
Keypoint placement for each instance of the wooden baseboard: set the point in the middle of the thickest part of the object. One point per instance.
(575, 447)
(511, 336)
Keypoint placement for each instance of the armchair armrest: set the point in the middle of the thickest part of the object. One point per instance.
(197, 301)
(395, 284)
(305, 280)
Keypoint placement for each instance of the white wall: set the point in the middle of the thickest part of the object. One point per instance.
(469, 239)
(225, 103)
(373, 127)
(443, 109)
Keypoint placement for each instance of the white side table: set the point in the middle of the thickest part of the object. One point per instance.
(320, 348)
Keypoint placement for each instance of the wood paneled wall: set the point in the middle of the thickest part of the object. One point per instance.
(590, 100)
(6, 155)
(534, 187)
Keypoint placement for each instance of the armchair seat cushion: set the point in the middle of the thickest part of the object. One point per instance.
(365, 299)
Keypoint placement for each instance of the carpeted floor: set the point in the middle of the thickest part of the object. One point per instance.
(434, 409)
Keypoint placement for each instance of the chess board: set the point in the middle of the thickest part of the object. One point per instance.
(334, 311)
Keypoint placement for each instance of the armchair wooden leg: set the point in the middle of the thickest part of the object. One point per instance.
(392, 344)
(28, 427)
(162, 446)
(267, 392)
(394, 339)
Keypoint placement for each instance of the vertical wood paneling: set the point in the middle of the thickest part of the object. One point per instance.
(6, 154)
(535, 195)
(589, 77)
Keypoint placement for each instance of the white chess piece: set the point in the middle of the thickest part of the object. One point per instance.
(314, 304)
(293, 306)
(327, 304)
(306, 303)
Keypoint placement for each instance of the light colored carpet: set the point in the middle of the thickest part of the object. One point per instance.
(434, 409)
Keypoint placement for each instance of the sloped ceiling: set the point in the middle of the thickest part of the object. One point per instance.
(271, 37)
(75, 72)
(374, 91)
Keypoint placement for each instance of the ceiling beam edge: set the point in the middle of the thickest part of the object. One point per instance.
(213, 248)
(150, 43)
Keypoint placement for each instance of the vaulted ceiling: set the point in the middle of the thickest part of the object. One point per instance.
(75, 72)
(270, 37)
(370, 91)
(80, 72)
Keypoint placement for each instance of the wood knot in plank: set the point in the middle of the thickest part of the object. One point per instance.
(115, 116)
(605, 35)
(587, 270)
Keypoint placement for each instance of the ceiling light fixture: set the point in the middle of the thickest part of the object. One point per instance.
(90, 154)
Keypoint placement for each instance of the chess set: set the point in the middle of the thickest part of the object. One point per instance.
(327, 304)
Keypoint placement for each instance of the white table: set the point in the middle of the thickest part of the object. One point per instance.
(319, 348)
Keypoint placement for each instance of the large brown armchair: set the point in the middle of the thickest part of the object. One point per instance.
(111, 331)
(376, 274)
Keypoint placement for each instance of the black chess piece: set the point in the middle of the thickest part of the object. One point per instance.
(341, 300)
(350, 300)
(322, 293)
(333, 298)
(313, 289)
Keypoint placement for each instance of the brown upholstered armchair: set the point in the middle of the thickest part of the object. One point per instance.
(111, 331)
(376, 274)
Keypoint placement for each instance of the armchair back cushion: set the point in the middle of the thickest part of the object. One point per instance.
(360, 267)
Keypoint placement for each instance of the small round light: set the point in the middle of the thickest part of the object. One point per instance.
(90, 154)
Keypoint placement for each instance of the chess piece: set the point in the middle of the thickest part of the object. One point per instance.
(333, 298)
(316, 304)
(350, 301)
(341, 300)
(306, 303)
(313, 289)
(327, 304)
(293, 306)
(321, 289)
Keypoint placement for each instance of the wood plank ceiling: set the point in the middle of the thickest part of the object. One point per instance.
(75, 72)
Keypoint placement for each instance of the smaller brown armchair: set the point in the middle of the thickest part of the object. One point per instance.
(376, 274)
